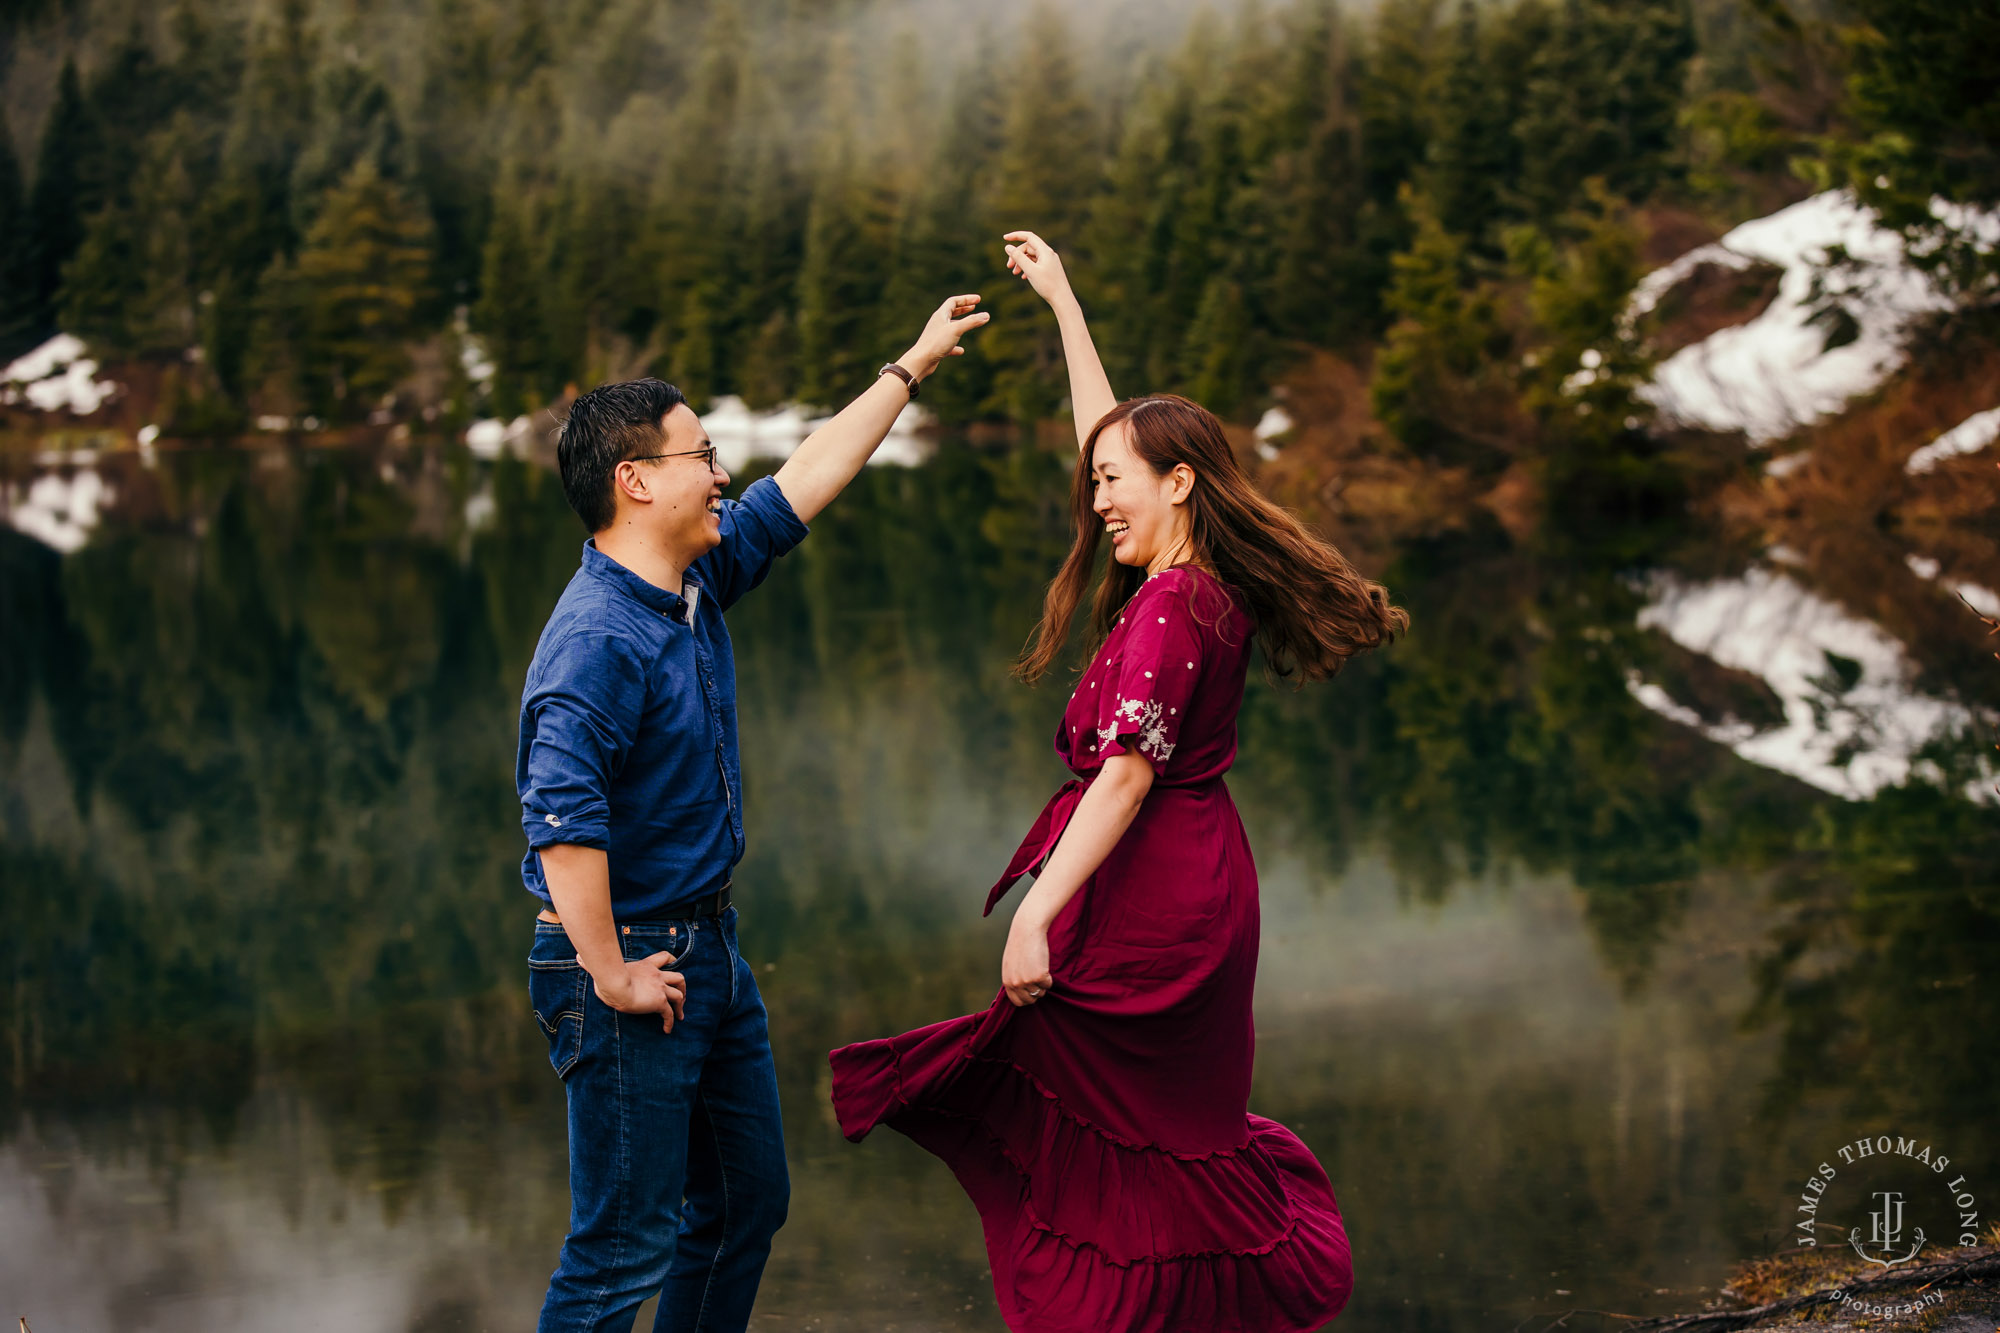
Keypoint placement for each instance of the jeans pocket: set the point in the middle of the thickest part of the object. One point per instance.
(557, 991)
(673, 937)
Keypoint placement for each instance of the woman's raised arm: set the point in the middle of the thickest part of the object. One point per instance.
(1090, 396)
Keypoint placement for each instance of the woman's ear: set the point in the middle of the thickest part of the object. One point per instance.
(1181, 480)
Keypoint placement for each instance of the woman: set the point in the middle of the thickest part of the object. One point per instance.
(1096, 1113)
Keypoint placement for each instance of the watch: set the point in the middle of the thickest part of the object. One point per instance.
(905, 376)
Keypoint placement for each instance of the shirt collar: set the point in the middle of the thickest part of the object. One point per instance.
(650, 595)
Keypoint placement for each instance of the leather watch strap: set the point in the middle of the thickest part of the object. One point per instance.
(905, 376)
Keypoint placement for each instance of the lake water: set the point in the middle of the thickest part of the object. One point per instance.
(1567, 997)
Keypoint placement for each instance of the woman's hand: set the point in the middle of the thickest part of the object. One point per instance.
(1024, 967)
(1090, 396)
(1035, 259)
(948, 323)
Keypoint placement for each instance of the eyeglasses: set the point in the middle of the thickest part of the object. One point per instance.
(707, 455)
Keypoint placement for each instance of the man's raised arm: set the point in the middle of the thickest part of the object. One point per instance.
(830, 457)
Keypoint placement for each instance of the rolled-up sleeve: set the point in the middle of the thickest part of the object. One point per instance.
(756, 530)
(580, 715)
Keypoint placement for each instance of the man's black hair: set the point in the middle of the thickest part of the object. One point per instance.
(606, 426)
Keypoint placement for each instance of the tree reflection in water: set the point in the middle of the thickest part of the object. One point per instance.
(1550, 983)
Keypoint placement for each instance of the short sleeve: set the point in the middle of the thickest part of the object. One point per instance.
(580, 717)
(1145, 702)
(756, 530)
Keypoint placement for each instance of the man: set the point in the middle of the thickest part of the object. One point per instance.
(632, 801)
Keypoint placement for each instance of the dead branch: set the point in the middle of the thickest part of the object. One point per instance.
(1977, 1266)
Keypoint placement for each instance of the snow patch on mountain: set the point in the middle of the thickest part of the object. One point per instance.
(1853, 722)
(55, 377)
(1846, 280)
(58, 510)
(1967, 437)
(741, 434)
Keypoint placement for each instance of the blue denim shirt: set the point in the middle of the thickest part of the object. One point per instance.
(628, 719)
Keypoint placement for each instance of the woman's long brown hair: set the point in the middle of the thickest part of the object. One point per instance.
(1312, 611)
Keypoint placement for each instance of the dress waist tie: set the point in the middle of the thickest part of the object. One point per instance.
(1041, 839)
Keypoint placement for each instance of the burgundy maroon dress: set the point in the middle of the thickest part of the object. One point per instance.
(1103, 1132)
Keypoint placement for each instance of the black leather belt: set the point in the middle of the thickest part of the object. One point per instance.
(709, 904)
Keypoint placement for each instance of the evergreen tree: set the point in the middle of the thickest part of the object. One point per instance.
(1152, 232)
(1427, 388)
(848, 234)
(1470, 158)
(209, 70)
(68, 187)
(129, 99)
(1923, 90)
(699, 292)
(102, 280)
(344, 312)
(1602, 101)
(248, 221)
(763, 362)
(849, 231)
(17, 292)
(509, 315)
(1588, 365)
(453, 144)
(1395, 89)
(1043, 180)
(768, 376)
(354, 120)
(1927, 76)
(130, 290)
(943, 244)
(1324, 279)
(269, 133)
(1218, 356)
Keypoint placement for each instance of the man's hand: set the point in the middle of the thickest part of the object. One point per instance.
(644, 986)
(1031, 257)
(830, 457)
(951, 321)
(579, 880)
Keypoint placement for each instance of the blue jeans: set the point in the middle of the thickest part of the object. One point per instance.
(676, 1153)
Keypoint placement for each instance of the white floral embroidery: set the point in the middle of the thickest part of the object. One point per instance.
(1147, 716)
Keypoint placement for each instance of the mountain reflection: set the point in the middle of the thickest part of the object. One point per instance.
(1550, 981)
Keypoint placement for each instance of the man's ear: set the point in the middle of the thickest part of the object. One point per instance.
(631, 481)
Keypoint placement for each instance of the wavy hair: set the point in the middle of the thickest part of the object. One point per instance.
(1311, 610)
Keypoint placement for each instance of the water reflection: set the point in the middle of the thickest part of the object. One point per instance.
(1563, 993)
